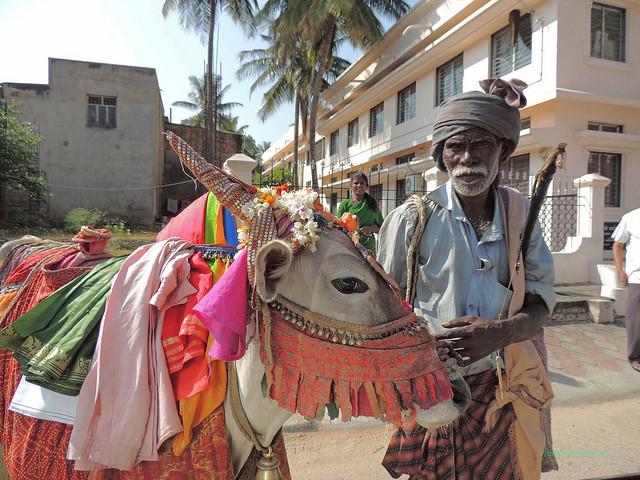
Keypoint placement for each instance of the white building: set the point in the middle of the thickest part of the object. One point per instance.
(581, 61)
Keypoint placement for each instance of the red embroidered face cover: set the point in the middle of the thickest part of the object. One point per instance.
(366, 371)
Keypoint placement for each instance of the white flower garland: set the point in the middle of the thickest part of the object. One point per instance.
(299, 206)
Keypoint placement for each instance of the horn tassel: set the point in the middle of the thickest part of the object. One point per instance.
(229, 190)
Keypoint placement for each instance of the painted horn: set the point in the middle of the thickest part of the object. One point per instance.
(232, 192)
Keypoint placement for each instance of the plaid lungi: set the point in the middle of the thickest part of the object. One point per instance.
(461, 450)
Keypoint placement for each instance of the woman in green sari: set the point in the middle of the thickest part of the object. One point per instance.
(365, 207)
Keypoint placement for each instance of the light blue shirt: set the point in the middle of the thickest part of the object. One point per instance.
(457, 274)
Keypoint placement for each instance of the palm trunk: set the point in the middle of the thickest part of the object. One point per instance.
(322, 64)
(297, 177)
(209, 109)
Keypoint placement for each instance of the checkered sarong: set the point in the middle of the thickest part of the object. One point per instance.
(429, 454)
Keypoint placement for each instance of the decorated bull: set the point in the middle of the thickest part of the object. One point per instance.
(304, 320)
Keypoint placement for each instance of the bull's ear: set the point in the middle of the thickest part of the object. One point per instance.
(272, 264)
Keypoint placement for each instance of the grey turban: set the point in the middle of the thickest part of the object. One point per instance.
(495, 110)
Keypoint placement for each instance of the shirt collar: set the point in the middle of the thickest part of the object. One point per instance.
(445, 197)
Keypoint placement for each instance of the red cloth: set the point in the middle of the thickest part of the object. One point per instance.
(33, 449)
(189, 224)
(184, 338)
(429, 454)
(206, 458)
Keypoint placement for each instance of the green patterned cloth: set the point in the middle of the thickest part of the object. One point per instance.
(54, 341)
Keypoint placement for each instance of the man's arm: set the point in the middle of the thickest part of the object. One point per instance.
(618, 256)
(475, 337)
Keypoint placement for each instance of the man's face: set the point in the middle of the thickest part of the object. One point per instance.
(472, 159)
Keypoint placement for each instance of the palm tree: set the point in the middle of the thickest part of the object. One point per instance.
(197, 98)
(322, 22)
(200, 16)
(286, 66)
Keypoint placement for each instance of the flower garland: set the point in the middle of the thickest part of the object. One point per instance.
(299, 206)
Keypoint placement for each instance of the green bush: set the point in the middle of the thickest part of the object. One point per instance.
(78, 217)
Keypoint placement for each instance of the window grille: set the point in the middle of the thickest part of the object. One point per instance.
(352, 133)
(604, 127)
(405, 158)
(608, 32)
(376, 192)
(376, 120)
(407, 103)
(334, 146)
(608, 165)
(514, 173)
(505, 57)
(101, 112)
(525, 123)
(449, 79)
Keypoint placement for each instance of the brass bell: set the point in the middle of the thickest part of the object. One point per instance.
(269, 467)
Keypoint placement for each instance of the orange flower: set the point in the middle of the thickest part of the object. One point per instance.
(282, 188)
(268, 198)
(348, 221)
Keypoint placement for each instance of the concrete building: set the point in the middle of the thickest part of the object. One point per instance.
(582, 64)
(103, 146)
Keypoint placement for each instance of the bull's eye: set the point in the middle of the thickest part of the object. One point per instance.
(350, 285)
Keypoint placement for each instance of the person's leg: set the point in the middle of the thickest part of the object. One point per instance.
(633, 325)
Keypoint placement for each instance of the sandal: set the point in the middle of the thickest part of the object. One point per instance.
(636, 365)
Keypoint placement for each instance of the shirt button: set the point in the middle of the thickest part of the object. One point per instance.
(478, 272)
(471, 307)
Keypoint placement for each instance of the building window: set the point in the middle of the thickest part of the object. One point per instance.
(405, 158)
(604, 127)
(376, 120)
(449, 79)
(102, 112)
(525, 123)
(352, 133)
(514, 173)
(376, 167)
(319, 149)
(507, 57)
(607, 32)
(376, 192)
(608, 165)
(334, 146)
(401, 192)
(407, 103)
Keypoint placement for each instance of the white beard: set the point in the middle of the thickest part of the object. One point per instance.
(466, 189)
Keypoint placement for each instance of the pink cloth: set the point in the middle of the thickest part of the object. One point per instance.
(189, 224)
(224, 311)
(126, 408)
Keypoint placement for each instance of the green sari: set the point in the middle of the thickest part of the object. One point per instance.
(55, 340)
(366, 217)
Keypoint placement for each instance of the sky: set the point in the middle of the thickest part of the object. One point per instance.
(131, 32)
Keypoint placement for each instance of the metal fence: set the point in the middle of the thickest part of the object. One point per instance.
(558, 214)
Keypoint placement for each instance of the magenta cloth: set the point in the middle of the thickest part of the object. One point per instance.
(224, 311)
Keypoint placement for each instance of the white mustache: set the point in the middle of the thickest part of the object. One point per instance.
(460, 170)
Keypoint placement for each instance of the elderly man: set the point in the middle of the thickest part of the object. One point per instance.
(465, 292)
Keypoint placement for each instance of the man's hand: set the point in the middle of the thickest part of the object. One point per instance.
(476, 337)
(473, 338)
(624, 278)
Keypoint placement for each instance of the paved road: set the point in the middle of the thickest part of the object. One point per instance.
(595, 415)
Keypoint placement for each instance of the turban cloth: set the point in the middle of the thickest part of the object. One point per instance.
(494, 110)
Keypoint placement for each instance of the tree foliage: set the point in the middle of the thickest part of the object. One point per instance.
(18, 153)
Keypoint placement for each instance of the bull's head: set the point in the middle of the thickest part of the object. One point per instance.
(328, 294)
